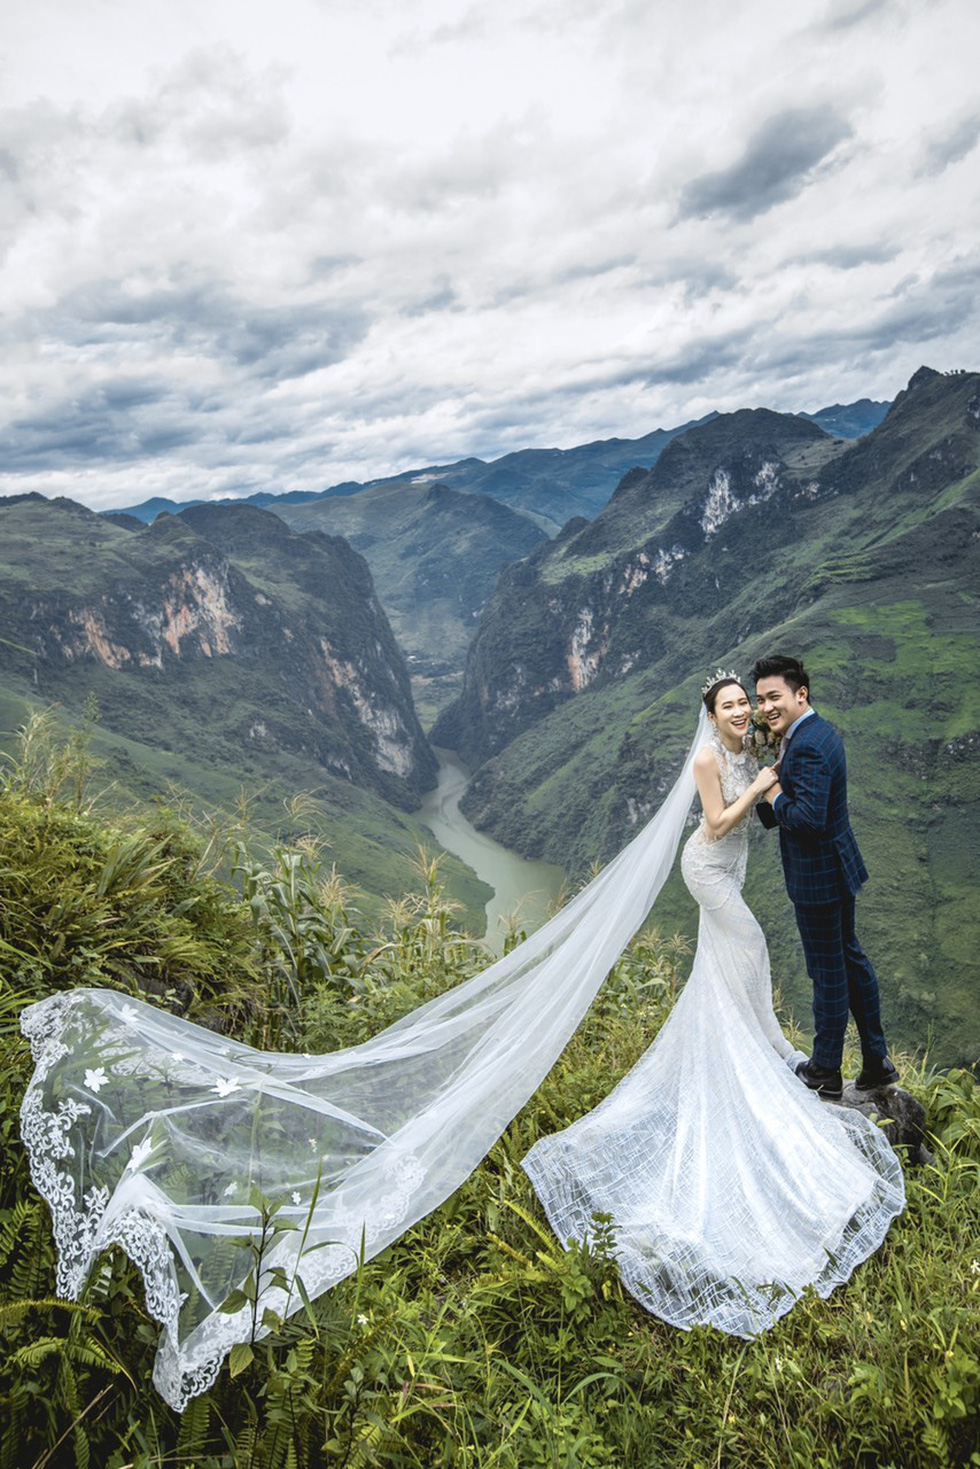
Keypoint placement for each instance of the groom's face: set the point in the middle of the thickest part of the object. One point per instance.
(780, 704)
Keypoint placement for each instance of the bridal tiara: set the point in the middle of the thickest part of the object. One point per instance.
(717, 677)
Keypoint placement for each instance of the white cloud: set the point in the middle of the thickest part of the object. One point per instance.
(247, 248)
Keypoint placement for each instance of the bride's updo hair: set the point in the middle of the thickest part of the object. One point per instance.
(710, 694)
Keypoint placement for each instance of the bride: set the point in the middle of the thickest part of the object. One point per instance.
(242, 1181)
(730, 1185)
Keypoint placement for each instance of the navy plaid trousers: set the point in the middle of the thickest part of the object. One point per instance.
(843, 980)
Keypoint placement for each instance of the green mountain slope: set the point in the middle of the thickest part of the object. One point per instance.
(225, 652)
(221, 624)
(749, 535)
(434, 555)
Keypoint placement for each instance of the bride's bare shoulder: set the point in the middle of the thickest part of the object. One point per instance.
(705, 760)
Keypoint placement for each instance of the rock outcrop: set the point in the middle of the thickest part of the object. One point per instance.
(897, 1112)
(217, 624)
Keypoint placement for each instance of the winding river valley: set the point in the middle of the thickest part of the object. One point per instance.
(520, 886)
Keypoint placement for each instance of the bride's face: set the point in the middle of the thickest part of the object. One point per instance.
(731, 714)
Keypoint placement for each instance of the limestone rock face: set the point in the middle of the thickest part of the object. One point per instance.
(217, 625)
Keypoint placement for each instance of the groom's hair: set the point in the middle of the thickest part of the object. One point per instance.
(780, 666)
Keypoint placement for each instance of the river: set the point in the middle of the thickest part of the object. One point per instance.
(519, 884)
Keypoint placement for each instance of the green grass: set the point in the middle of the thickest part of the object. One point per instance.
(561, 566)
(476, 1340)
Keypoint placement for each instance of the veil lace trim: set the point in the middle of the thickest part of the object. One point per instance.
(147, 1132)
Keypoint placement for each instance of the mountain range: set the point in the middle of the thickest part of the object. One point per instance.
(757, 532)
(550, 485)
(488, 513)
(228, 645)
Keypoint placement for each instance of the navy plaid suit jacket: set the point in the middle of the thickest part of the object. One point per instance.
(821, 860)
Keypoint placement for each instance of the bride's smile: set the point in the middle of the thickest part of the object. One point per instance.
(732, 713)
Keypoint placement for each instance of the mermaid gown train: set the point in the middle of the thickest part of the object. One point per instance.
(731, 1187)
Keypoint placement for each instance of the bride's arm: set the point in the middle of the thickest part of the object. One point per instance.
(719, 818)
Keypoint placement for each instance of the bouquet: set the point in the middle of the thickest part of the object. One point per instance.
(761, 738)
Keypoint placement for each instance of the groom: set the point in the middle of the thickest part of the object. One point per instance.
(823, 871)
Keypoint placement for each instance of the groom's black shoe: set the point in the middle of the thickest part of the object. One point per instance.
(820, 1079)
(879, 1071)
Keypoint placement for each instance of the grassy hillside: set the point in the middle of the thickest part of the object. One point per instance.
(477, 1341)
(281, 796)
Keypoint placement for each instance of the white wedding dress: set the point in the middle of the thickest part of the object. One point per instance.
(731, 1186)
(147, 1132)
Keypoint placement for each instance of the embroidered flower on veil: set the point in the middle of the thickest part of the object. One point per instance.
(139, 1154)
(225, 1085)
(95, 1080)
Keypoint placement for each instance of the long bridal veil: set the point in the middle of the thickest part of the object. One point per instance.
(151, 1133)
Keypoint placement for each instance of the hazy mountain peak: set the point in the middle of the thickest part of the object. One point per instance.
(923, 375)
(234, 526)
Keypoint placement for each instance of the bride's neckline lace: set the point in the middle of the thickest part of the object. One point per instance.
(717, 743)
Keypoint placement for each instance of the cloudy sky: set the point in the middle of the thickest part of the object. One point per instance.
(252, 246)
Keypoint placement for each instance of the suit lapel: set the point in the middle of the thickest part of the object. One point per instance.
(786, 763)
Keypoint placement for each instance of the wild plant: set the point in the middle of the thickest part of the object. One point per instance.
(53, 762)
(478, 1340)
(307, 939)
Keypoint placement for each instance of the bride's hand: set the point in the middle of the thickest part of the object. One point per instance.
(767, 778)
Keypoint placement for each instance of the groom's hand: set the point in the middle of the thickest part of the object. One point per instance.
(773, 792)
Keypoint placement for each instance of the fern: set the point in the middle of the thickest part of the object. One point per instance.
(194, 1427)
(89, 1353)
(12, 1312)
(68, 1395)
(24, 1212)
(37, 1351)
(246, 1443)
(12, 1415)
(32, 1267)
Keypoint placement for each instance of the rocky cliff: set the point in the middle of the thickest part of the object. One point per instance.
(587, 608)
(218, 627)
